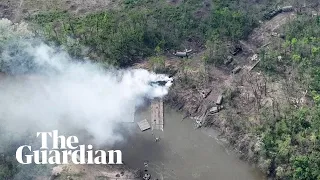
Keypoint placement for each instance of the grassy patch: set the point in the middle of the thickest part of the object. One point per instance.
(291, 140)
(122, 37)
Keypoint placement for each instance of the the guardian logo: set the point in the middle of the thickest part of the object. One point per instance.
(80, 154)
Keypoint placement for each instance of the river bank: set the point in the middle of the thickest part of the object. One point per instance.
(183, 152)
(246, 94)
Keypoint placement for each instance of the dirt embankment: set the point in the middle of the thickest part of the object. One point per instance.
(197, 85)
(246, 94)
(92, 172)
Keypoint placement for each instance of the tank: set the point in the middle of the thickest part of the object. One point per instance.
(272, 14)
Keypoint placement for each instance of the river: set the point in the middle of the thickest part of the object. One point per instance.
(183, 152)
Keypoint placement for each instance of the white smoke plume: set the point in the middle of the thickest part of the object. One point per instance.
(48, 90)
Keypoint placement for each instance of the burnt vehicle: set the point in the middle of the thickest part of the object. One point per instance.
(183, 54)
(235, 49)
(166, 82)
(272, 14)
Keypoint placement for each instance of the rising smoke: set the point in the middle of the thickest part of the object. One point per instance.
(45, 89)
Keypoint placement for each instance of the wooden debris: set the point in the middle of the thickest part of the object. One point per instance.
(157, 114)
(214, 109)
(267, 44)
(287, 9)
(254, 66)
(205, 92)
(144, 125)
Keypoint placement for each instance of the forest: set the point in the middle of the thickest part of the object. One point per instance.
(291, 139)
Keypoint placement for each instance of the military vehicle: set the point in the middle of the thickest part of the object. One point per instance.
(166, 82)
(183, 53)
(235, 49)
(275, 12)
(272, 14)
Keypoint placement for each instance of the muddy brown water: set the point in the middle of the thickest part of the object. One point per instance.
(183, 152)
